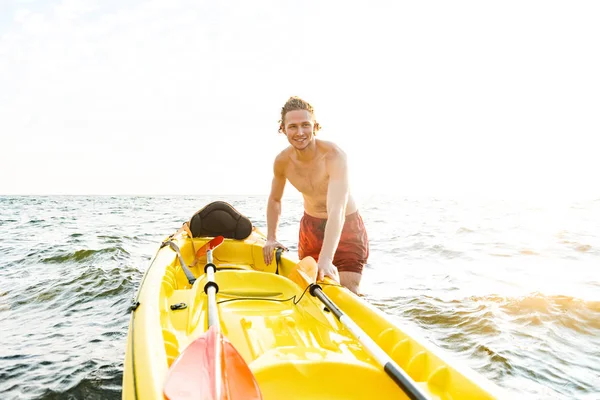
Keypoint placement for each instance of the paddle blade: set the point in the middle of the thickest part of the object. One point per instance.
(238, 381)
(210, 368)
(210, 245)
(305, 272)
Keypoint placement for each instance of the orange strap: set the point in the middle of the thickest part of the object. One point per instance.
(186, 228)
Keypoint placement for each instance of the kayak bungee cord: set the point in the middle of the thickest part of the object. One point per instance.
(293, 298)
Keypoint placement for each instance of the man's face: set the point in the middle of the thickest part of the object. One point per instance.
(299, 128)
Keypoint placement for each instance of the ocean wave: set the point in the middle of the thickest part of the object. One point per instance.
(422, 250)
(112, 238)
(84, 255)
(506, 336)
(576, 314)
(71, 291)
(79, 331)
(80, 380)
(92, 389)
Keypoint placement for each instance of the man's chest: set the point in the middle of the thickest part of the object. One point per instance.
(309, 179)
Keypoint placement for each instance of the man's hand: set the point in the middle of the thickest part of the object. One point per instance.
(326, 268)
(268, 249)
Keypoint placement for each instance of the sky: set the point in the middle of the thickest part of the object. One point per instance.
(462, 98)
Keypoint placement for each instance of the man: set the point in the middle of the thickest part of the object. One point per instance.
(331, 230)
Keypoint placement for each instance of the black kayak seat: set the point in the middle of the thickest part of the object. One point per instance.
(220, 218)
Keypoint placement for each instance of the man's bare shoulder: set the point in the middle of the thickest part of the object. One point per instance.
(284, 155)
(332, 151)
(282, 159)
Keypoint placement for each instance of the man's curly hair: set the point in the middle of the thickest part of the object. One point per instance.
(296, 103)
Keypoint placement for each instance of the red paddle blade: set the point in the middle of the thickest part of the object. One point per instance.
(212, 244)
(211, 369)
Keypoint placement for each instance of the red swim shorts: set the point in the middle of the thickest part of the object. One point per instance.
(353, 249)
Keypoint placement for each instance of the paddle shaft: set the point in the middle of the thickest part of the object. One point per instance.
(210, 367)
(391, 368)
(211, 288)
(211, 291)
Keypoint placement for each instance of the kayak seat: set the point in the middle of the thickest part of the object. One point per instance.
(220, 219)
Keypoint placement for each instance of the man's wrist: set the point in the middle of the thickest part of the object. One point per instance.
(325, 258)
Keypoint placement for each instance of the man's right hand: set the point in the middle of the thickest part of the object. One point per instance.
(269, 248)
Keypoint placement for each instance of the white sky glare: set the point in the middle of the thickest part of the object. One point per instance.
(183, 97)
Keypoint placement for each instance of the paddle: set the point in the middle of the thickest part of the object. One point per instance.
(210, 368)
(400, 377)
(207, 246)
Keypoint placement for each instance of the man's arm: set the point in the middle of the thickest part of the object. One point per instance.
(274, 208)
(274, 203)
(337, 198)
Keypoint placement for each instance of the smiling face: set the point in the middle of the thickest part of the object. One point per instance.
(299, 127)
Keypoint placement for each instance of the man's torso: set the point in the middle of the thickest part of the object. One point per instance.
(312, 180)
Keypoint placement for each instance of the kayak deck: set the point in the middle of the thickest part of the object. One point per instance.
(296, 349)
(294, 346)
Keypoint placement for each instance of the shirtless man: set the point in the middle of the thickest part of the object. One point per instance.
(331, 230)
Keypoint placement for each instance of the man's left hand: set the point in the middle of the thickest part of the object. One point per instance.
(326, 268)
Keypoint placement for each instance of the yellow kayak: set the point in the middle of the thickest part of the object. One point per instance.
(292, 344)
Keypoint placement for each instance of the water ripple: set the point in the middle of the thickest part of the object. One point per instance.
(84, 255)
